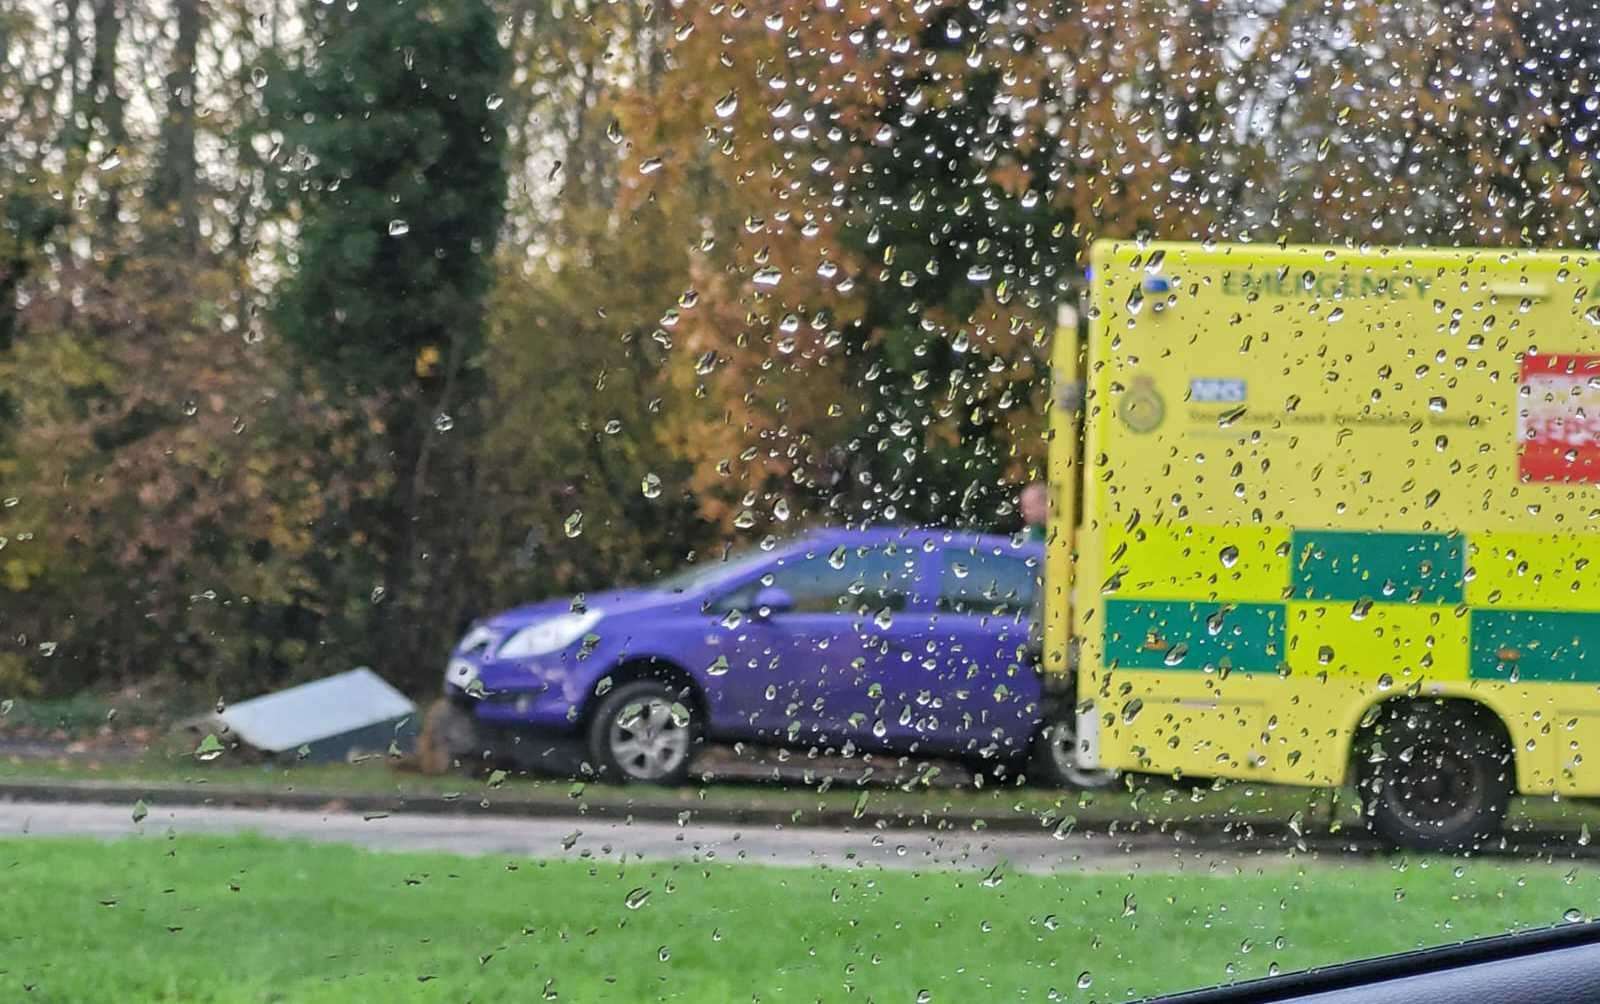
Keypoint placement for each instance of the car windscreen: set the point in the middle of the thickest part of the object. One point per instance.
(709, 569)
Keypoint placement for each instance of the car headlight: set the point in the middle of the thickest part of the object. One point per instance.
(548, 635)
(478, 637)
(460, 673)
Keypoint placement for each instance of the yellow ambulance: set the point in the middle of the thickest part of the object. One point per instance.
(1330, 515)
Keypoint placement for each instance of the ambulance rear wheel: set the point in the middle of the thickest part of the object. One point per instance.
(1436, 776)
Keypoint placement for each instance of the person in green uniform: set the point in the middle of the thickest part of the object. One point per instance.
(1035, 506)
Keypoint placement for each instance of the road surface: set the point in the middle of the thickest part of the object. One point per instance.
(910, 849)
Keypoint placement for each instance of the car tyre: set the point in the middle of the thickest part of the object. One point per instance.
(644, 732)
(1055, 765)
(1443, 780)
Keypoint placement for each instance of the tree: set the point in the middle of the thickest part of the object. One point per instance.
(395, 120)
(175, 187)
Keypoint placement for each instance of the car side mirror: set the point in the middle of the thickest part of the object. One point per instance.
(771, 600)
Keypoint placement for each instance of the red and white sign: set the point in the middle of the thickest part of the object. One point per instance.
(1558, 418)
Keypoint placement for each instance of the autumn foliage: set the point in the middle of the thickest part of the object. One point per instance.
(756, 266)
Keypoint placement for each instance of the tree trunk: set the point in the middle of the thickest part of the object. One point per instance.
(175, 188)
(107, 105)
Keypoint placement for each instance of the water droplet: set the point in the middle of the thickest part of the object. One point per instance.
(1085, 980)
(209, 749)
(1176, 654)
(663, 953)
(399, 228)
(493, 101)
(443, 422)
(574, 525)
(780, 510)
(1050, 922)
(767, 277)
(650, 486)
(1573, 915)
(111, 162)
(650, 165)
(718, 668)
(726, 105)
(1131, 710)
(1229, 556)
(1325, 654)
(1335, 315)
(1385, 682)
(636, 898)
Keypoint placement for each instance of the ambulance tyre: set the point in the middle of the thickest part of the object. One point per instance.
(1436, 776)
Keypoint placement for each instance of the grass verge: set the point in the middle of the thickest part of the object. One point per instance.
(1152, 802)
(252, 920)
(1148, 805)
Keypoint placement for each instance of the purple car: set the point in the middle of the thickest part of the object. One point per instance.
(892, 640)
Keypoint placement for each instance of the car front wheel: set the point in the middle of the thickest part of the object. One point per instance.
(643, 731)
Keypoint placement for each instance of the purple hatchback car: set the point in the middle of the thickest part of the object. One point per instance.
(891, 640)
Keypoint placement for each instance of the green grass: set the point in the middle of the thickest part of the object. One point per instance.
(252, 920)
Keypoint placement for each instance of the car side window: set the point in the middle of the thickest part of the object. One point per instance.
(843, 580)
(977, 583)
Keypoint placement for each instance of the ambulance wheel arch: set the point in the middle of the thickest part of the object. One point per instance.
(1532, 774)
(1434, 773)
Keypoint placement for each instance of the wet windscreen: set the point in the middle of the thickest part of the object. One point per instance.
(899, 500)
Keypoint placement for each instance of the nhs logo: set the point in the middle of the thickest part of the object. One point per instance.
(1214, 391)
